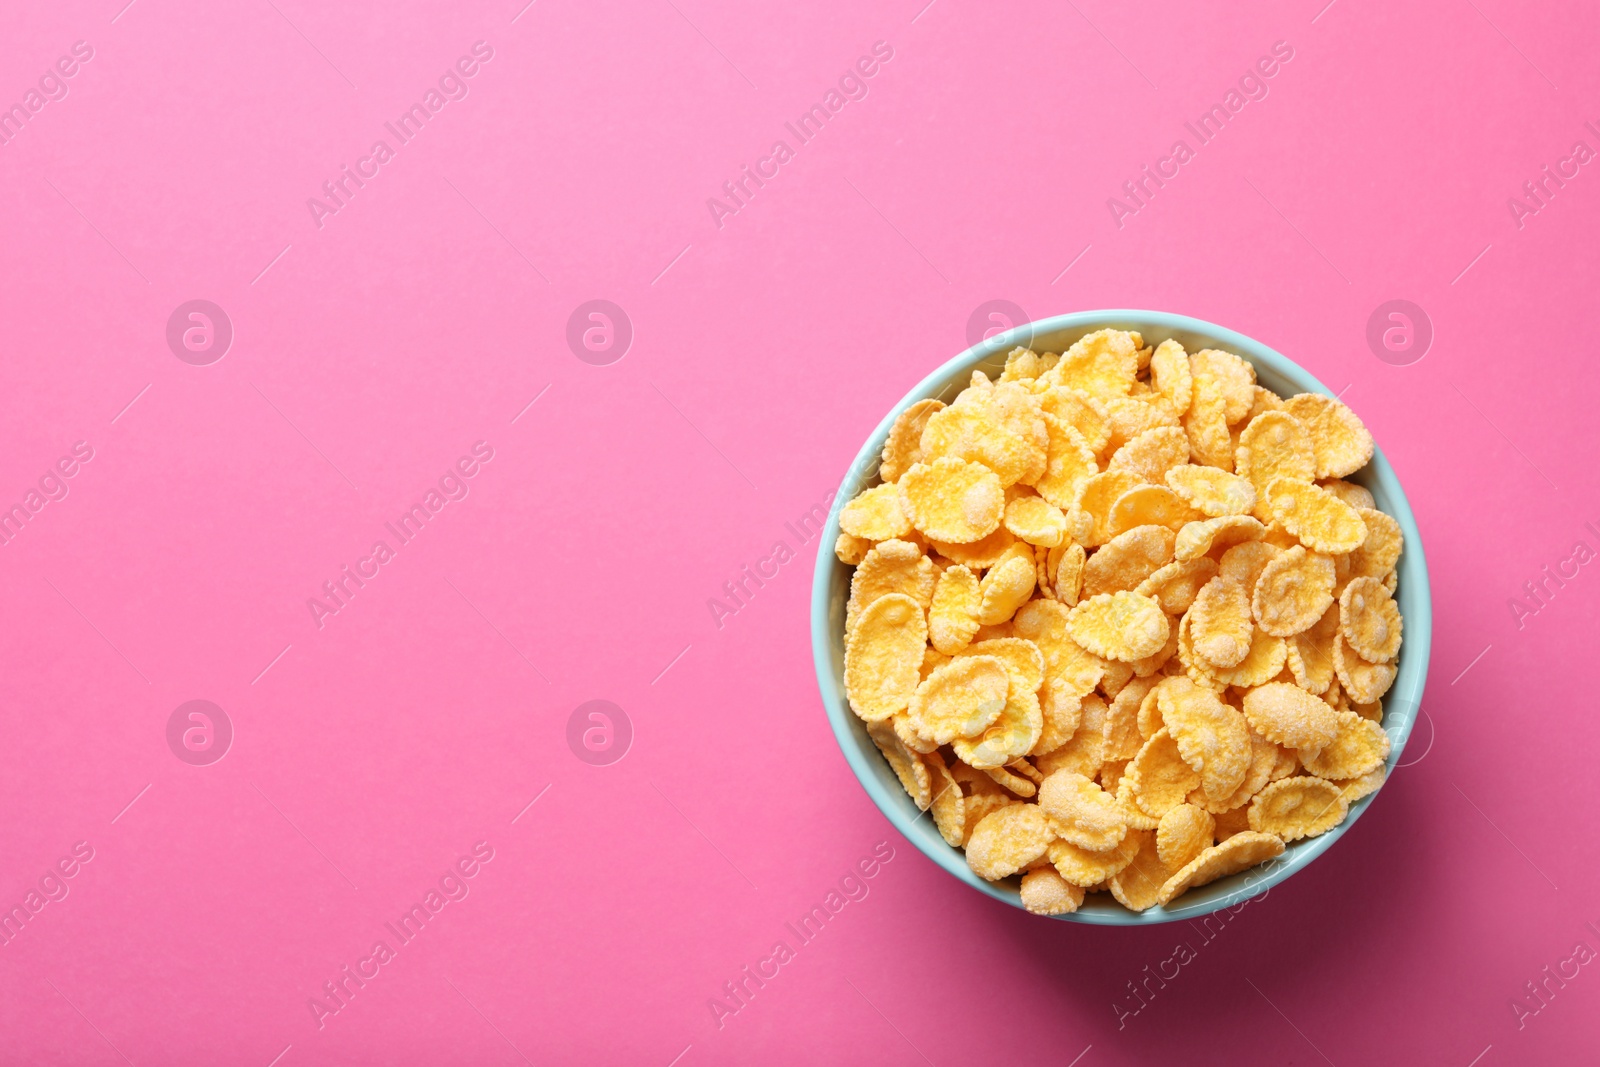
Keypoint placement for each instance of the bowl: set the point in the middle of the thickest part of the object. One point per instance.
(831, 589)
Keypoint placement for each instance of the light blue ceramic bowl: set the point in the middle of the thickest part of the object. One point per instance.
(831, 588)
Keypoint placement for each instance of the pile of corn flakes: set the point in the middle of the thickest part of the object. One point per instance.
(1118, 620)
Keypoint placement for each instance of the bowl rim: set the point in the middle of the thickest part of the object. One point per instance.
(1401, 703)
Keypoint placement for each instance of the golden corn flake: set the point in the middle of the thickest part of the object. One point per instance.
(1005, 588)
(1069, 574)
(1176, 584)
(1085, 752)
(1024, 364)
(985, 431)
(1353, 789)
(1298, 807)
(1158, 778)
(1369, 620)
(1045, 892)
(947, 803)
(1293, 592)
(952, 500)
(903, 447)
(890, 567)
(1012, 734)
(980, 806)
(1358, 747)
(1008, 840)
(1086, 867)
(1131, 416)
(1152, 454)
(1212, 492)
(1080, 411)
(1123, 739)
(1238, 853)
(1183, 833)
(1379, 553)
(1097, 495)
(1119, 626)
(1138, 885)
(959, 699)
(1229, 377)
(875, 514)
(1036, 521)
(1062, 710)
(1320, 520)
(907, 765)
(1197, 539)
(1003, 777)
(932, 660)
(1263, 663)
(1069, 464)
(1357, 496)
(1244, 562)
(1206, 424)
(1170, 375)
(1082, 812)
(980, 554)
(1220, 623)
(1101, 364)
(1148, 505)
(1364, 680)
(1022, 659)
(1198, 669)
(1127, 560)
(851, 549)
(882, 655)
(1044, 622)
(953, 613)
(1212, 737)
(1340, 442)
(1289, 716)
(1264, 757)
(1273, 445)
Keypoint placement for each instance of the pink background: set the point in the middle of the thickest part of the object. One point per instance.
(372, 352)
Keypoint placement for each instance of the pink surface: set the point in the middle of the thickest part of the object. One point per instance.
(376, 746)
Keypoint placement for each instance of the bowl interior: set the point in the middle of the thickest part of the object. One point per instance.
(831, 589)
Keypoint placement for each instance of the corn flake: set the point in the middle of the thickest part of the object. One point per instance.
(1119, 626)
(1339, 441)
(1293, 592)
(1212, 492)
(1289, 716)
(1125, 561)
(1008, 840)
(1319, 519)
(903, 447)
(953, 612)
(1358, 747)
(1045, 892)
(882, 656)
(1364, 680)
(1183, 833)
(875, 515)
(1170, 375)
(952, 500)
(1303, 806)
(1036, 521)
(960, 699)
(1369, 620)
(1273, 445)
(1238, 853)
